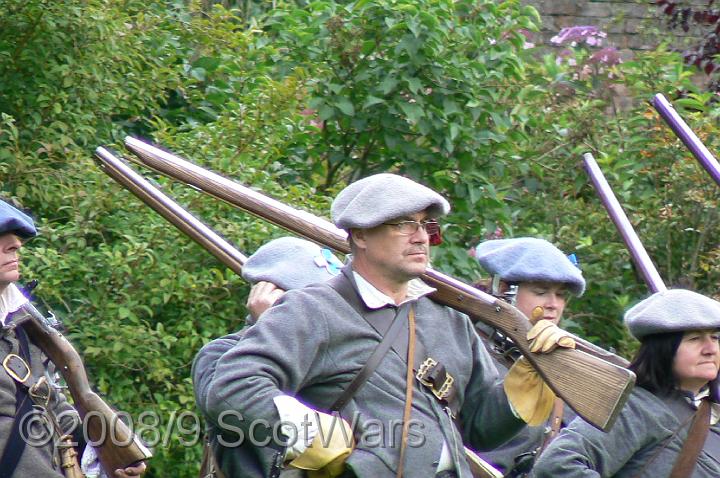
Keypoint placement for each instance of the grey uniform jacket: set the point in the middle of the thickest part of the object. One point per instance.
(311, 345)
(36, 460)
(237, 457)
(644, 442)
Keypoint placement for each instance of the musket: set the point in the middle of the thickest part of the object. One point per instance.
(595, 388)
(225, 252)
(171, 211)
(637, 251)
(176, 215)
(687, 136)
(116, 444)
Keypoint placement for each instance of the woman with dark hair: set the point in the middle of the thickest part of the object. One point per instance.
(669, 426)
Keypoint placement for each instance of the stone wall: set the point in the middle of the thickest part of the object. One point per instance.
(623, 21)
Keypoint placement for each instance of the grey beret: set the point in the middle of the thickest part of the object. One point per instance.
(291, 263)
(528, 259)
(373, 200)
(15, 221)
(673, 310)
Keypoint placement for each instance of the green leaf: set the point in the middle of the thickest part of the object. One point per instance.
(198, 73)
(412, 111)
(454, 131)
(372, 100)
(450, 106)
(207, 63)
(388, 84)
(414, 84)
(346, 106)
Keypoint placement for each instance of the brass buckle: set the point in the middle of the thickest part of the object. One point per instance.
(8, 368)
(445, 388)
(443, 391)
(40, 392)
(425, 367)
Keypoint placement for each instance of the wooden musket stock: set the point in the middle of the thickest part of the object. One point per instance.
(591, 385)
(117, 446)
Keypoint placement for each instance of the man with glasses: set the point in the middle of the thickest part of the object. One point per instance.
(402, 371)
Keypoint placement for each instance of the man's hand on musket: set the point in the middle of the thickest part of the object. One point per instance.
(262, 296)
(526, 390)
(131, 471)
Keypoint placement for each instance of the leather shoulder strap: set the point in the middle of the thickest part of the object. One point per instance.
(687, 459)
(342, 285)
(372, 363)
(16, 444)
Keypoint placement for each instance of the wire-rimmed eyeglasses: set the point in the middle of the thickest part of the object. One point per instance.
(407, 228)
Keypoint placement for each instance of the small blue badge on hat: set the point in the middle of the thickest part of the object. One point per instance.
(328, 260)
(573, 258)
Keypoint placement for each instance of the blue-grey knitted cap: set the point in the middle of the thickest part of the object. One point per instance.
(672, 310)
(528, 259)
(291, 263)
(15, 221)
(376, 199)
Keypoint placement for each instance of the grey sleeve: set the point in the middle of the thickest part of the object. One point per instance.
(488, 420)
(203, 367)
(581, 450)
(275, 357)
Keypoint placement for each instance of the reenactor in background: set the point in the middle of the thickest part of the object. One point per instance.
(31, 407)
(669, 426)
(295, 366)
(538, 279)
(280, 265)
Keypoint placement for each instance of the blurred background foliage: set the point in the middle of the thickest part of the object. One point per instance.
(297, 99)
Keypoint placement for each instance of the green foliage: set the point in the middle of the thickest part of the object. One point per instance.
(76, 75)
(138, 298)
(424, 88)
(669, 199)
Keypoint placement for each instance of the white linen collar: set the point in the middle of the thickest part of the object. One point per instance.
(11, 300)
(374, 299)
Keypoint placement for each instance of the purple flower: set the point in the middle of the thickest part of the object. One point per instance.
(589, 34)
(563, 55)
(608, 56)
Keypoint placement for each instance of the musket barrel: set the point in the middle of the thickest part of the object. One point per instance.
(127, 177)
(632, 241)
(170, 210)
(687, 136)
(218, 186)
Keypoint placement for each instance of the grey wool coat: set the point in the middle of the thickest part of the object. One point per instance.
(243, 456)
(644, 442)
(312, 343)
(35, 461)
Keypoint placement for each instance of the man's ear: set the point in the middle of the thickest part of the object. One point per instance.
(357, 237)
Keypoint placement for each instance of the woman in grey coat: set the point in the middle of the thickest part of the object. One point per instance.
(678, 359)
(538, 279)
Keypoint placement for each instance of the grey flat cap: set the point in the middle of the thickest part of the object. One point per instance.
(672, 310)
(528, 259)
(376, 199)
(15, 221)
(291, 263)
